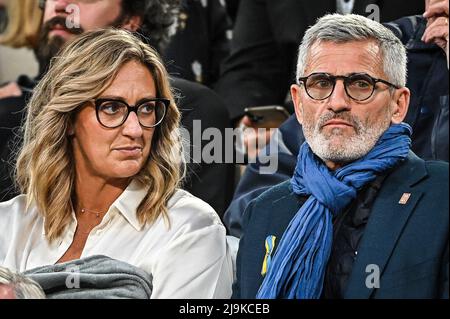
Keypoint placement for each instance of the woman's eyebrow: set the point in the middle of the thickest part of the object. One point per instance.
(121, 99)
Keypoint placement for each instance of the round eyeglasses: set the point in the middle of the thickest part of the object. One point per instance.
(358, 86)
(112, 113)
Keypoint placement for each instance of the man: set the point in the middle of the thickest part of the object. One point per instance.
(266, 37)
(153, 19)
(261, 65)
(427, 112)
(362, 216)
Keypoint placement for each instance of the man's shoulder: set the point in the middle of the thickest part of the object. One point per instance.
(280, 192)
(428, 180)
(438, 177)
(438, 169)
(277, 205)
(425, 171)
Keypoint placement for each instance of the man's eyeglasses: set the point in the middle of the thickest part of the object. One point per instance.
(113, 113)
(358, 86)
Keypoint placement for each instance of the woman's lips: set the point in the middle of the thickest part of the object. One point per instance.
(130, 151)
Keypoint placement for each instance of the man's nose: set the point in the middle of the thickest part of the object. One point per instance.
(339, 100)
(132, 127)
(58, 6)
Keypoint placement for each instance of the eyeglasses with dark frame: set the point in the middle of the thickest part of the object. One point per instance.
(358, 86)
(112, 113)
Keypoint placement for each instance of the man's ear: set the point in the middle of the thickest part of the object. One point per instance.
(296, 98)
(132, 23)
(400, 105)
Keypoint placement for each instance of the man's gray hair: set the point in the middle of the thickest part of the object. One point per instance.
(23, 287)
(339, 28)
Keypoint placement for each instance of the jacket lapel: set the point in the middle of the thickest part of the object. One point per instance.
(385, 225)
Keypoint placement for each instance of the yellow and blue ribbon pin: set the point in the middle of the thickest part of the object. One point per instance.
(270, 245)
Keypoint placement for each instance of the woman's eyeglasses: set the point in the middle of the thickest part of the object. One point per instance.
(113, 113)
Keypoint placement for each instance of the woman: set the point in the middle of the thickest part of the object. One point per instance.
(99, 168)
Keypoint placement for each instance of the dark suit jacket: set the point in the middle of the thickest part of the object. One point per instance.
(265, 44)
(409, 243)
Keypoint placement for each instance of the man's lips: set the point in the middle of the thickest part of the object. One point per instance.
(60, 31)
(337, 123)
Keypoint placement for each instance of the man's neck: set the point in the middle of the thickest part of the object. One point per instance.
(333, 165)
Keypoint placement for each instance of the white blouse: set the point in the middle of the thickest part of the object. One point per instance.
(189, 260)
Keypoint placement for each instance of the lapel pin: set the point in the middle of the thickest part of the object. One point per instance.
(270, 245)
(404, 199)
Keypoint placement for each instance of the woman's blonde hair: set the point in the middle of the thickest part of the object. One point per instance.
(24, 22)
(45, 168)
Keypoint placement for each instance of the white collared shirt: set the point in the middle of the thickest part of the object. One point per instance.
(189, 260)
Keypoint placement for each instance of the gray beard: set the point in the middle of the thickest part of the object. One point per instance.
(348, 149)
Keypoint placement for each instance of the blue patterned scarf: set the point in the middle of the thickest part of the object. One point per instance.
(298, 267)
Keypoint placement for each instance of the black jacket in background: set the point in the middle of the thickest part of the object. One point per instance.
(201, 42)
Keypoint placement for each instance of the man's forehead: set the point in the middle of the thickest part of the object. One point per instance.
(353, 56)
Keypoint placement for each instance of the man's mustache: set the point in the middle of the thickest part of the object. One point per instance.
(344, 116)
(61, 22)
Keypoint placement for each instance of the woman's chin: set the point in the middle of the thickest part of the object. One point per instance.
(128, 170)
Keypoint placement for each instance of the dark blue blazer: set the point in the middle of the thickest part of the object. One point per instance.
(408, 242)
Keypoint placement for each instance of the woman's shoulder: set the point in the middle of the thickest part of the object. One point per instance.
(14, 219)
(15, 212)
(185, 206)
(14, 206)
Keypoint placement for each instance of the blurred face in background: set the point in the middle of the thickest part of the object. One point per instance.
(65, 19)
